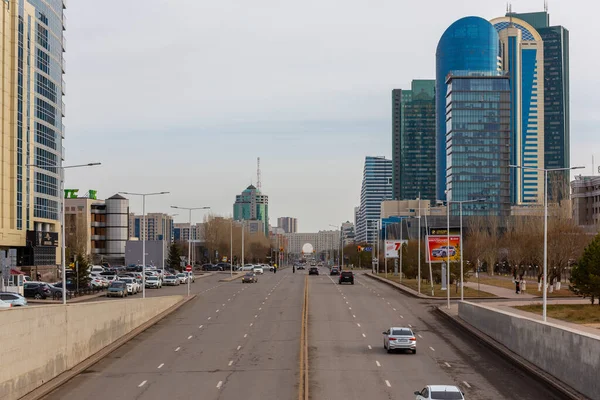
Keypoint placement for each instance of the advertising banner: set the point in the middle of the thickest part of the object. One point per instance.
(438, 249)
(392, 247)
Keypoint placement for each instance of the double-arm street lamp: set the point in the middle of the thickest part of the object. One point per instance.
(190, 209)
(62, 217)
(545, 281)
(341, 246)
(143, 232)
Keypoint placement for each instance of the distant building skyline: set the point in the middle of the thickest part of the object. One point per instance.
(252, 205)
(288, 224)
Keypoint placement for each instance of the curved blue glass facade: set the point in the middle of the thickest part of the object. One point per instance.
(469, 44)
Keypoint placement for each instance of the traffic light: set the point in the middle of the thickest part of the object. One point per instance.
(359, 248)
(281, 249)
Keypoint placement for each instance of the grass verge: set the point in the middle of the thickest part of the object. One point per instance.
(575, 313)
(437, 289)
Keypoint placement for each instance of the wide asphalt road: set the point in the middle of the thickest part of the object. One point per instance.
(242, 341)
(347, 359)
(233, 341)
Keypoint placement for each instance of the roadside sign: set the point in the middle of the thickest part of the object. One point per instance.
(182, 264)
(188, 268)
(392, 247)
(367, 249)
(438, 248)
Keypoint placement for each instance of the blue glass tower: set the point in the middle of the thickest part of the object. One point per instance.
(469, 44)
(376, 187)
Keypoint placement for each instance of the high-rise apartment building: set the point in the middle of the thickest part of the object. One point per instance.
(376, 187)
(413, 141)
(31, 82)
(252, 205)
(288, 224)
(159, 226)
(469, 44)
(556, 90)
(347, 233)
(181, 232)
(477, 141)
(522, 56)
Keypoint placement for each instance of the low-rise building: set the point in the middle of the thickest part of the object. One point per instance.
(585, 197)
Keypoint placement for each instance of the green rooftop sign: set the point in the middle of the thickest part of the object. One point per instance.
(72, 194)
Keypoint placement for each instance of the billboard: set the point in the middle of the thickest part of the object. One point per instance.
(438, 249)
(392, 247)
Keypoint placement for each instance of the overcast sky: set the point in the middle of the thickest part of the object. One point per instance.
(183, 96)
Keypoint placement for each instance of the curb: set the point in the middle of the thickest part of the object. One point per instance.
(513, 358)
(236, 276)
(66, 376)
(69, 301)
(414, 293)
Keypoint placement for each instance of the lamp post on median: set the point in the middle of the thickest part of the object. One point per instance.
(190, 209)
(143, 233)
(63, 263)
(545, 273)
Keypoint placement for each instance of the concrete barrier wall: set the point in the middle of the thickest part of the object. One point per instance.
(38, 343)
(572, 357)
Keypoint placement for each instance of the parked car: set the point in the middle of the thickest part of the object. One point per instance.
(248, 267)
(444, 251)
(153, 282)
(250, 277)
(98, 282)
(346, 276)
(13, 298)
(132, 285)
(399, 339)
(97, 269)
(171, 280)
(4, 305)
(37, 290)
(445, 392)
(182, 277)
(313, 271)
(334, 271)
(258, 270)
(208, 267)
(117, 288)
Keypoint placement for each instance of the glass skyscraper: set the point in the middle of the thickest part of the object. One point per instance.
(376, 187)
(477, 141)
(413, 139)
(469, 44)
(252, 205)
(556, 90)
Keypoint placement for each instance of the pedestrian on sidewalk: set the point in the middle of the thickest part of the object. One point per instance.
(518, 287)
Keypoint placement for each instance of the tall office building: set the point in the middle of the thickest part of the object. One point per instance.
(469, 44)
(32, 86)
(252, 205)
(288, 224)
(347, 233)
(556, 90)
(376, 187)
(522, 55)
(159, 226)
(413, 139)
(477, 141)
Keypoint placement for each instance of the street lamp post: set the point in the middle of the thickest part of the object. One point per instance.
(545, 273)
(190, 209)
(143, 233)
(63, 263)
(231, 250)
(163, 247)
(462, 292)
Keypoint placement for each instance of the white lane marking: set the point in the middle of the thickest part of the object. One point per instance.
(217, 310)
(228, 299)
(346, 302)
(200, 327)
(245, 335)
(370, 348)
(259, 308)
(219, 384)
(466, 384)
(142, 384)
(256, 316)
(230, 363)
(409, 325)
(349, 308)
(263, 302)
(209, 317)
(251, 323)
(388, 383)
(364, 335)
(447, 365)
(189, 337)
(161, 365)
(394, 309)
(266, 298)
(358, 324)
(389, 303)
(239, 347)
(177, 349)
(420, 336)
(432, 349)
(402, 316)
(222, 305)
(377, 362)
(353, 316)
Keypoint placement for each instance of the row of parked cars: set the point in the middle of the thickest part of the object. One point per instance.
(130, 283)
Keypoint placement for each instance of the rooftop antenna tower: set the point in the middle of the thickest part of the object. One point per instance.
(258, 185)
(546, 5)
(509, 12)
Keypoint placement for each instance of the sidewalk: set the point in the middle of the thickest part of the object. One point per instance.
(499, 291)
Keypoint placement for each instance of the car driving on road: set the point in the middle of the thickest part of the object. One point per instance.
(313, 271)
(334, 271)
(182, 278)
(258, 270)
(13, 298)
(346, 277)
(399, 339)
(249, 277)
(440, 392)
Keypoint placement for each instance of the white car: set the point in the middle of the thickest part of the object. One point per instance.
(259, 270)
(132, 286)
(399, 338)
(433, 392)
(98, 282)
(182, 277)
(248, 267)
(153, 282)
(97, 269)
(4, 305)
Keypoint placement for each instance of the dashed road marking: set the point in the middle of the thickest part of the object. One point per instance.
(142, 384)
(364, 335)
(447, 365)
(353, 316)
(420, 336)
(259, 308)
(161, 365)
(239, 347)
(230, 363)
(358, 324)
(189, 337)
(370, 348)
(388, 383)
(256, 316)
(177, 349)
(409, 325)
(200, 327)
(217, 311)
(209, 317)
(219, 384)
(466, 384)
(402, 316)
(377, 362)
(394, 309)
(251, 323)
(245, 335)
(432, 349)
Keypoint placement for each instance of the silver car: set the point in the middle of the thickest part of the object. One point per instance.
(440, 392)
(397, 338)
(13, 298)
